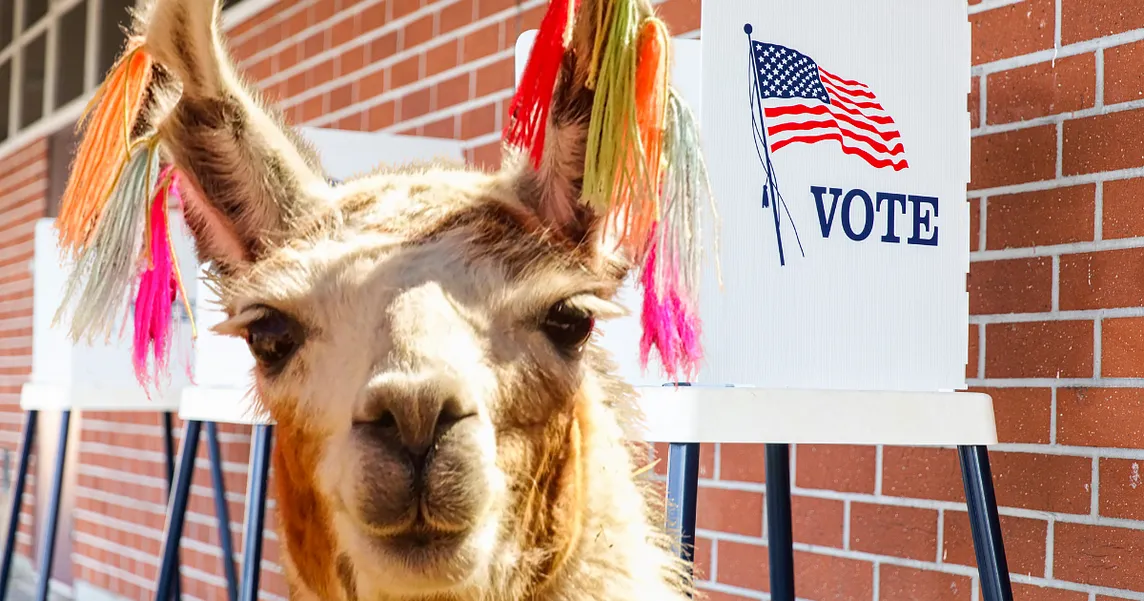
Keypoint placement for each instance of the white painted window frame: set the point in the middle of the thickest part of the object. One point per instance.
(52, 119)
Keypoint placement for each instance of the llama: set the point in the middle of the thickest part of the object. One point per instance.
(448, 429)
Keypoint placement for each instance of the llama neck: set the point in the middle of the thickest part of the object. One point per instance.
(622, 552)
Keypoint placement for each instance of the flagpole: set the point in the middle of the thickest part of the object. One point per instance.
(771, 184)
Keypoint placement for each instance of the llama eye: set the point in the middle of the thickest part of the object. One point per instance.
(567, 326)
(273, 339)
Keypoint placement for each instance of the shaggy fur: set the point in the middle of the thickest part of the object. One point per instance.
(415, 296)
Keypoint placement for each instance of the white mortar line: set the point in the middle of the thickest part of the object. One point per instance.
(1094, 488)
(1080, 314)
(988, 5)
(846, 524)
(1056, 289)
(1049, 548)
(877, 470)
(1060, 149)
(717, 460)
(1057, 118)
(1048, 382)
(1099, 76)
(940, 536)
(1053, 415)
(1057, 249)
(982, 238)
(714, 575)
(877, 580)
(1047, 55)
(1096, 347)
(1057, 18)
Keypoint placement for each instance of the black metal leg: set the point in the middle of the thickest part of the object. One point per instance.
(983, 521)
(682, 491)
(255, 510)
(17, 501)
(47, 552)
(169, 448)
(222, 512)
(780, 542)
(177, 511)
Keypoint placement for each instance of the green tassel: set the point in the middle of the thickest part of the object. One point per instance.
(686, 188)
(100, 283)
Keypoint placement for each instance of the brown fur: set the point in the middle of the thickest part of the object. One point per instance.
(417, 296)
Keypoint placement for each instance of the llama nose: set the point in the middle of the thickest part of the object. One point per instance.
(412, 417)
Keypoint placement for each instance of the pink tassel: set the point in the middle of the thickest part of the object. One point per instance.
(670, 323)
(157, 289)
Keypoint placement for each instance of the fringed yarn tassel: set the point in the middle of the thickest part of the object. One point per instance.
(533, 99)
(104, 273)
(670, 322)
(625, 135)
(157, 291)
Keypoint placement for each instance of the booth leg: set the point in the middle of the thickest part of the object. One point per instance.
(17, 500)
(983, 522)
(47, 552)
(222, 512)
(682, 490)
(169, 449)
(177, 512)
(255, 510)
(779, 539)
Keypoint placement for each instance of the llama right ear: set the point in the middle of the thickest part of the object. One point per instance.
(248, 178)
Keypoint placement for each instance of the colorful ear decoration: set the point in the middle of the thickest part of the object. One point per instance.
(533, 99)
(644, 169)
(113, 220)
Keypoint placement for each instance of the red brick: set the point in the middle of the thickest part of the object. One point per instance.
(1023, 415)
(405, 72)
(1011, 286)
(442, 128)
(1123, 78)
(417, 33)
(453, 91)
(1048, 88)
(1059, 483)
(844, 468)
(487, 156)
(486, 8)
(496, 77)
(743, 565)
(372, 85)
(380, 116)
(403, 7)
(1012, 30)
(1098, 555)
(922, 473)
(454, 16)
(826, 578)
(974, 224)
(350, 61)
(1100, 417)
(482, 42)
(1014, 157)
(1121, 489)
(344, 31)
(817, 521)
(1122, 347)
(440, 59)
(1098, 143)
(1039, 349)
(712, 595)
(973, 103)
(1024, 543)
(341, 97)
(896, 531)
(1087, 19)
(313, 108)
(383, 47)
(742, 462)
(896, 583)
(681, 16)
(734, 511)
(1041, 218)
(479, 121)
(1102, 280)
(1123, 208)
(314, 45)
(701, 558)
(660, 452)
(973, 361)
(1030, 592)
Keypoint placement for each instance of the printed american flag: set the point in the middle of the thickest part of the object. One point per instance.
(808, 104)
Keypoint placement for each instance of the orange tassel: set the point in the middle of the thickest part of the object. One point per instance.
(637, 211)
(104, 149)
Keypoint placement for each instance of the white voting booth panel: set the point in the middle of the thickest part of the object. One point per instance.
(222, 366)
(857, 334)
(93, 376)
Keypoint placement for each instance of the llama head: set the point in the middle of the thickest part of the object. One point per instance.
(422, 334)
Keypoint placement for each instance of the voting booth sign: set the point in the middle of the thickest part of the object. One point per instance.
(837, 139)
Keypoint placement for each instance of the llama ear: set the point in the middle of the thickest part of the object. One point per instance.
(247, 177)
(590, 111)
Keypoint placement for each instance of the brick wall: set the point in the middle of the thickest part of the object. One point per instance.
(1057, 305)
(23, 188)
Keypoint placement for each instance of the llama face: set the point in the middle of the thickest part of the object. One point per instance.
(428, 340)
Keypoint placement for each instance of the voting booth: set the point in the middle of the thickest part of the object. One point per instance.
(837, 142)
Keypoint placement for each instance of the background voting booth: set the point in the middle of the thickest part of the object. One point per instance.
(839, 156)
(209, 381)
